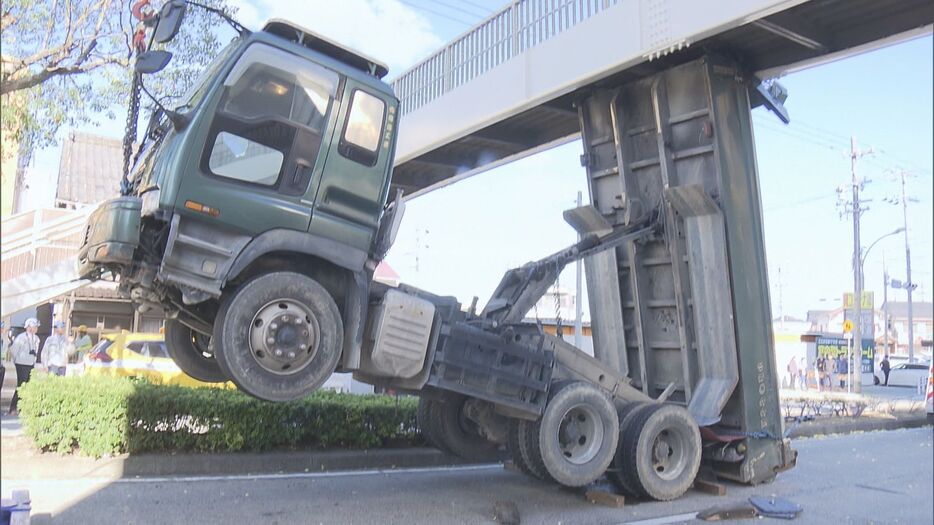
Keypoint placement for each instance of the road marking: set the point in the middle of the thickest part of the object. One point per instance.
(260, 477)
(664, 520)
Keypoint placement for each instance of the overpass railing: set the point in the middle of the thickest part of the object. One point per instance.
(503, 35)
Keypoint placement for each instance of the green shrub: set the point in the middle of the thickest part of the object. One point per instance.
(101, 415)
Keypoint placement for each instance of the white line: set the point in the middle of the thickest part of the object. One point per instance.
(664, 520)
(259, 477)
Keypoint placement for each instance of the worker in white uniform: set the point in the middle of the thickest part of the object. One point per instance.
(25, 349)
(56, 350)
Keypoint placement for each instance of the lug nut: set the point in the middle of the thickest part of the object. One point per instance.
(273, 326)
(285, 318)
(270, 341)
(278, 353)
(298, 320)
(303, 346)
(291, 355)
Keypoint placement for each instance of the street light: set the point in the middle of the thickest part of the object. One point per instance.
(856, 362)
(862, 260)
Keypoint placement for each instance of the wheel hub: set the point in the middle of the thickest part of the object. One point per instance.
(284, 336)
(580, 434)
(669, 456)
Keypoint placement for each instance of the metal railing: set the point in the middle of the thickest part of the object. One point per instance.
(44, 228)
(519, 26)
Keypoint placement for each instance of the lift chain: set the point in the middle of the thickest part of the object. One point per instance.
(130, 133)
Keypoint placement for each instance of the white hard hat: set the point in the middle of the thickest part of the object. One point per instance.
(32, 321)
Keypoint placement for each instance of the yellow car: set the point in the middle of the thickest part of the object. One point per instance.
(138, 354)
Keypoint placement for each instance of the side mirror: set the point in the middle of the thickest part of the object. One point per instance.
(152, 61)
(170, 20)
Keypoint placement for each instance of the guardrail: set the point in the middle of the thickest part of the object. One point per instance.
(57, 232)
(519, 26)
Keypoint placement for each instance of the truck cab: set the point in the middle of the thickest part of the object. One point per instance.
(257, 212)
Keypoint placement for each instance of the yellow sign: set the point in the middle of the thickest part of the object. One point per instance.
(847, 326)
(865, 304)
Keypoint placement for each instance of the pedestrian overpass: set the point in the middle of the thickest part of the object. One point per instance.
(507, 88)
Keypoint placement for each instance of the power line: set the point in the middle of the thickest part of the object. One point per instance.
(485, 9)
(436, 13)
(460, 9)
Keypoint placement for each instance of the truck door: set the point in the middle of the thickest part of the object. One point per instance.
(261, 149)
(352, 190)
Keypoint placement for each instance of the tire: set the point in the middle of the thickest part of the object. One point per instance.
(529, 434)
(191, 352)
(279, 336)
(578, 434)
(515, 448)
(424, 417)
(662, 446)
(621, 463)
(459, 434)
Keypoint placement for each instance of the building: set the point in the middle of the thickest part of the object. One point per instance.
(923, 320)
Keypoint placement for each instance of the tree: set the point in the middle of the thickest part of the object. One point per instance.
(66, 62)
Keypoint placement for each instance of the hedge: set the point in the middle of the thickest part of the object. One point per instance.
(99, 416)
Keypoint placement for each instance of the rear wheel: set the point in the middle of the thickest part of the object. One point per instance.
(662, 448)
(578, 434)
(621, 464)
(192, 352)
(458, 433)
(515, 447)
(424, 416)
(279, 335)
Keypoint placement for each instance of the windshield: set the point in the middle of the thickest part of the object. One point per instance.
(199, 87)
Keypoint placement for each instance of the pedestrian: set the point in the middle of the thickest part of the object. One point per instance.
(25, 348)
(886, 368)
(842, 371)
(821, 372)
(83, 344)
(803, 374)
(57, 349)
(5, 351)
(792, 372)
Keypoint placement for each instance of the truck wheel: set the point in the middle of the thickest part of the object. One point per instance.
(514, 446)
(192, 352)
(279, 335)
(458, 433)
(528, 435)
(424, 418)
(662, 447)
(578, 434)
(621, 463)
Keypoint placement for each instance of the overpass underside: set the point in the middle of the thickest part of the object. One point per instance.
(472, 111)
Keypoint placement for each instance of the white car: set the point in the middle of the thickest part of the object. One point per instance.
(908, 374)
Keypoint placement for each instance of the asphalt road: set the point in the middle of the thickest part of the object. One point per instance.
(877, 477)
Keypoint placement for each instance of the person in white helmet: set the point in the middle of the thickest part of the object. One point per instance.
(57, 349)
(25, 349)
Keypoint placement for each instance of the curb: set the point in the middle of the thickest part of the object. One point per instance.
(863, 424)
(53, 466)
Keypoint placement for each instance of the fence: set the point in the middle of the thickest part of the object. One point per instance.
(519, 26)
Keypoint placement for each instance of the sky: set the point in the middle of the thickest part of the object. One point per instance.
(459, 240)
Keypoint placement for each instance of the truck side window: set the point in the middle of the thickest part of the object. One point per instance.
(269, 82)
(239, 158)
(270, 120)
(362, 130)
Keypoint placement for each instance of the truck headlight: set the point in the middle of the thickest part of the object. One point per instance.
(150, 202)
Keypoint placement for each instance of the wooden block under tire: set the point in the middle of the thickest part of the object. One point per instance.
(607, 499)
(710, 487)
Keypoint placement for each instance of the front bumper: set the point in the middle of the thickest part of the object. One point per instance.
(110, 237)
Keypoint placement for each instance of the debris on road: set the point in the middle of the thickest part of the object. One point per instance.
(607, 499)
(506, 512)
(774, 507)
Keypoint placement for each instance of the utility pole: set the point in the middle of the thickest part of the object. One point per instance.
(908, 285)
(855, 362)
(885, 305)
(578, 304)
